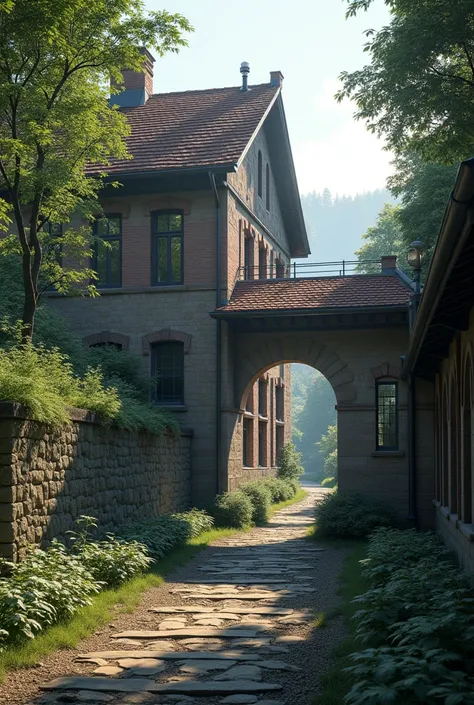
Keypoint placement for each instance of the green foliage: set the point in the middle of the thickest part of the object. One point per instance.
(417, 616)
(417, 90)
(280, 490)
(234, 509)
(328, 449)
(384, 238)
(294, 484)
(261, 498)
(54, 90)
(45, 587)
(112, 561)
(329, 482)
(161, 534)
(351, 515)
(289, 463)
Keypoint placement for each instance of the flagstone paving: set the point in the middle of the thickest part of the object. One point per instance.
(250, 630)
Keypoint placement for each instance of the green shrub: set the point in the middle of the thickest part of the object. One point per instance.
(261, 499)
(294, 484)
(418, 618)
(161, 534)
(351, 515)
(45, 587)
(329, 482)
(280, 490)
(289, 463)
(233, 509)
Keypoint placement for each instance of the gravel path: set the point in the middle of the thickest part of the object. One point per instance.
(238, 624)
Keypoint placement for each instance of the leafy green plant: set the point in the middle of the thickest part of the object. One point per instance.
(233, 509)
(351, 515)
(289, 463)
(329, 482)
(280, 490)
(261, 499)
(198, 521)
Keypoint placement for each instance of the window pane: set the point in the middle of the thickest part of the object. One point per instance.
(387, 415)
(114, 226)
(168, 369)
(176, 259)
(176, 221)
(101, 262)
(101, 227)
(162, 222)
(161, 259)
(113, 254)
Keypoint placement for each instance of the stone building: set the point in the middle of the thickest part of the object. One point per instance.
(209, 197)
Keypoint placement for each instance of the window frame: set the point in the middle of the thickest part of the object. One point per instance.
(154, 348)
(259, 174)
(267, 187)
(246, 442)
(379, 383)
(167, 235)
(107, 238)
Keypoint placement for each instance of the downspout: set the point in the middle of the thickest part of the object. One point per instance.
(212, 179)
(412, 513)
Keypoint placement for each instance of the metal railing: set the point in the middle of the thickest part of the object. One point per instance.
(298, 270)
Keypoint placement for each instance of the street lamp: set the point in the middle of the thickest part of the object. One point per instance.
(415, 256)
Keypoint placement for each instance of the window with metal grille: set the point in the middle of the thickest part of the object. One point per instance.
(167, 230)
(387, 415)
(107, 261)
(167, 369)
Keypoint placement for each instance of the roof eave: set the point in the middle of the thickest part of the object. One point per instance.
(449, 242)
(340, 310)
(214, 168)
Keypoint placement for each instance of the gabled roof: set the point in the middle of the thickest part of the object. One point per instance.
(351, 292)
(192, 129)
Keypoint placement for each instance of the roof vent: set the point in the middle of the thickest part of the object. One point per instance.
(245, 70)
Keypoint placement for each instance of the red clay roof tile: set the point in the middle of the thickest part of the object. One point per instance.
(192, 129)
(353, 291)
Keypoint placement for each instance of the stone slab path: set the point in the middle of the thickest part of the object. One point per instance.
(248, 634)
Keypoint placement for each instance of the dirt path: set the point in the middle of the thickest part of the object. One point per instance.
(238, 624)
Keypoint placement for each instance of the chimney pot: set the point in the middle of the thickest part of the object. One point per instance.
(389, 263)
(276, 79)
(137, 86)
(245, 70)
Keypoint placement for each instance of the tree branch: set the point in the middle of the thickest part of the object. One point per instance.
(468, 57)
(453, 77)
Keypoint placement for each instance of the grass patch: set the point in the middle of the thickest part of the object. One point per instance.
(104, 608)
(335, 683)
(301, 494)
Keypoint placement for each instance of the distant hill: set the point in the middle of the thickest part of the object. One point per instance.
(335, 225)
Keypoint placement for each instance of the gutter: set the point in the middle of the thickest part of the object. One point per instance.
(228, 168)
(449, 243)
(218, 444)
(273, 313)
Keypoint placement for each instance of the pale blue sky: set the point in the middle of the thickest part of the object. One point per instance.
(311, 43)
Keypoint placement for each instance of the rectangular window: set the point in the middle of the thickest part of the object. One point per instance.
(247, 258)
(387, 415)
(108, 251)
(247, 436)
(262, 398)
(262, 444)
(280, 403)
(167, 368)
(262, 263)
(167, 231)
(280, 440)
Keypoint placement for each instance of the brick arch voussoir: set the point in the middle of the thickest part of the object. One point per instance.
(166, 335)
(107, 336)
(258, 359)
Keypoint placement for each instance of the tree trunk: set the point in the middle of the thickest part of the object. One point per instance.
(29, 304)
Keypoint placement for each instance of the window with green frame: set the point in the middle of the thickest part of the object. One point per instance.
(107, 260)
(167, 230)
(387, 415)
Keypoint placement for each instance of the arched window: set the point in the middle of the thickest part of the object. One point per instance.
(267, 187)
(167, 369)
(259, 174)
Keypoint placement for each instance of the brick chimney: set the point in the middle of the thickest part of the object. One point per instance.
(389, 264)
(137, 86)
(276, 79)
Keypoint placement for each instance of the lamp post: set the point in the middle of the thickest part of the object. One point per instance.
(415, 256)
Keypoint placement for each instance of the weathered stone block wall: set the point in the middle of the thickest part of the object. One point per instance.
(48, 478)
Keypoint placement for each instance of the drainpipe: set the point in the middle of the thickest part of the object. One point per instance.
(212, 179)
(412, 513)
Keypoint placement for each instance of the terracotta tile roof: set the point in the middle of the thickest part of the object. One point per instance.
(192, 128)
(325, 292)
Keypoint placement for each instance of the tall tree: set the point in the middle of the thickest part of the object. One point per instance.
(418, 89)
(384, 238)
(57, 59)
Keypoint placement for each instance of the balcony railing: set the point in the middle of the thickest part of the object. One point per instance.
(298, 270)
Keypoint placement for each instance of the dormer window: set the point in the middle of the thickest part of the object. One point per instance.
(259, 174)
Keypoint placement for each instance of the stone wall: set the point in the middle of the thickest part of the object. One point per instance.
(48, 478)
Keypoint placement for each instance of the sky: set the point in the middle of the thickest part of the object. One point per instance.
(310, 42)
